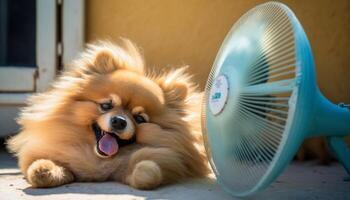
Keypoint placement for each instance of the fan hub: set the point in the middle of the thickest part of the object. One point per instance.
(219, 95)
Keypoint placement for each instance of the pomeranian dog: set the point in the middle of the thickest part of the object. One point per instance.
(106, 118)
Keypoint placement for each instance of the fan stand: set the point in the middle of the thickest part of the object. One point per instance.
(341, 151)
(332, 121)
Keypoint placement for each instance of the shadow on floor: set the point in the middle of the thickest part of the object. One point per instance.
(194, 186)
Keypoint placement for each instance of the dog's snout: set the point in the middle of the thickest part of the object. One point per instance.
(118, 123)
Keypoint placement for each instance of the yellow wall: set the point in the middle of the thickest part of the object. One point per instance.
(177, 32)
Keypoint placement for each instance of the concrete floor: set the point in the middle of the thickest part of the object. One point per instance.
(299, 181)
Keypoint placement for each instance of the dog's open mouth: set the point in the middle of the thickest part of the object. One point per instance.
(107, 143)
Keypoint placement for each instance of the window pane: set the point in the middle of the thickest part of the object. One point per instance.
(17, 33)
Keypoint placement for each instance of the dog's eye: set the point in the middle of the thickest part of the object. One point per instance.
(106, 106)
(139, 119)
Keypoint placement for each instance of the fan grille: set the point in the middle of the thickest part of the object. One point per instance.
(259, 108)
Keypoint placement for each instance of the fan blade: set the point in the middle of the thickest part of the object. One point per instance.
(270, 88)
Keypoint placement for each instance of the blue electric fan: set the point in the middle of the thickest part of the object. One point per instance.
(261, 101)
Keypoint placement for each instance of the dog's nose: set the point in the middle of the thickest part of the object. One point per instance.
(118, 123)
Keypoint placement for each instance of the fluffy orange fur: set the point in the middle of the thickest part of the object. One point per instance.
(56, 143)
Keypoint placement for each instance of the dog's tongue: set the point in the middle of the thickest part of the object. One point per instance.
(108, 145)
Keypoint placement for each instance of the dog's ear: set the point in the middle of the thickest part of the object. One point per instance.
(105, 57)
(176, 85)
(176, 90)
(104, 62)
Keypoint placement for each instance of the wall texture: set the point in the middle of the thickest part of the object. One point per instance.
(172, 33)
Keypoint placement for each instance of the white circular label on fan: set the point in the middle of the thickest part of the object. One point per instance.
(218, 94)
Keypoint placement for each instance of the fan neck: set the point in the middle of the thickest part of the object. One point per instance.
(329, 119)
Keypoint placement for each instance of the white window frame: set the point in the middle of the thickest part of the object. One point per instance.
(48, 49)
(73, 34)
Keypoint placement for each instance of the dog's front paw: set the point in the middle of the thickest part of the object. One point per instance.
(45, 173)
(146, 175)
